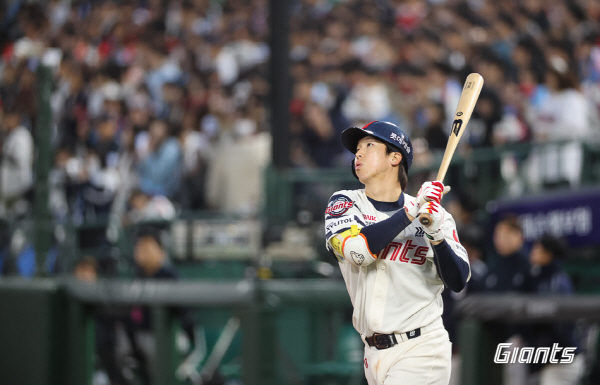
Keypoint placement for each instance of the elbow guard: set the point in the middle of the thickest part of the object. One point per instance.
(352, 246)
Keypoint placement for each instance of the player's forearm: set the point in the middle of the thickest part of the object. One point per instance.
(380, 234)
(453, 270)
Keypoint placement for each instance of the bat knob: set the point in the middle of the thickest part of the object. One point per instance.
(425, 220)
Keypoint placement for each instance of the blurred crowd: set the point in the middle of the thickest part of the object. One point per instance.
(160, 106)
(168, 99)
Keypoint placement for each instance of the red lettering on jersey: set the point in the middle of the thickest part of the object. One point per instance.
(366, 364)
(455, 236)
(369, 217)
(383, 253)
(397, 247)
(409, 246)
(420, 255)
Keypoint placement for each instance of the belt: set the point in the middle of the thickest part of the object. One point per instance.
(384, 341)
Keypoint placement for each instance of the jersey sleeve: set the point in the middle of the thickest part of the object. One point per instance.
(451, 259)
(341, 214)
(451, 237)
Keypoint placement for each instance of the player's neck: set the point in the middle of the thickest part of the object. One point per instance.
(382, 192)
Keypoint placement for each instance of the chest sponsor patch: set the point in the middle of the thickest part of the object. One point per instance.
(338, 206)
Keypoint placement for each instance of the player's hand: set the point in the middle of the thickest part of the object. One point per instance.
(437, 213)
(432, 192)
(412, 209)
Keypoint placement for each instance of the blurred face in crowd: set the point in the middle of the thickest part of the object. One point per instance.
(10, 121)
(372, 162)
(539, 256)
(149, 255)
(107, 130)
(86, 272)
(139, 201)
(507, 239)
(158, 132)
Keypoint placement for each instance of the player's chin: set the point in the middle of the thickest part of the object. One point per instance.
(362, 177)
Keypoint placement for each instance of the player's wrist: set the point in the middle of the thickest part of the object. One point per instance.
(412, 209)
(435, 243)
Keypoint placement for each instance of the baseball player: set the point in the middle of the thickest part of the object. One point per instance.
(395, 269)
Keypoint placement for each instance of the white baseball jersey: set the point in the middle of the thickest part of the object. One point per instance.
(401, 290)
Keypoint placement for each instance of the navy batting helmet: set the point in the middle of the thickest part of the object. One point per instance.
(386, 132)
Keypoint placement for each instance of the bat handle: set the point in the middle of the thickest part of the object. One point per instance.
(425, 219)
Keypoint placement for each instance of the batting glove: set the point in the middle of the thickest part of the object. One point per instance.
(431, 192)
(437, 214)
(412, 208)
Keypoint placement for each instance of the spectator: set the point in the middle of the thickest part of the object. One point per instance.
(106, 318)
(563, 116)
(151, 262)
(160, 170)
(435, 131)
(235, 174)
(16, 164)
(550, 279)
(147, 208)
(511, 271)
(196, 152)
(86, 270)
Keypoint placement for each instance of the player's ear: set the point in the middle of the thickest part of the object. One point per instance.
(396, 158)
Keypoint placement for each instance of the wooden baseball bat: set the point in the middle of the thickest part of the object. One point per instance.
(465, 107)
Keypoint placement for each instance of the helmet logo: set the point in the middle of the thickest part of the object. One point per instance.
(401, 141)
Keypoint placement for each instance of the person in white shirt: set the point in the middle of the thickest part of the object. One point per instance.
(395, 269)
(563, 121)
(16, 161)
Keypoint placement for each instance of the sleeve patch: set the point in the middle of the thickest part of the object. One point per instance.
(338, 206)
(336, 225)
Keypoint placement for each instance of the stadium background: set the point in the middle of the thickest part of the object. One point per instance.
(253, 120)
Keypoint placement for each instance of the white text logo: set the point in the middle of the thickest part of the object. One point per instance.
(504, 355)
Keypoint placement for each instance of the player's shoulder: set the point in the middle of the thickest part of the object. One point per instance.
(352, 194)
(343, 200)
(356, 196)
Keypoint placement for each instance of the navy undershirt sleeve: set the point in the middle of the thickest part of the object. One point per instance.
(380, 234)
(453, 270)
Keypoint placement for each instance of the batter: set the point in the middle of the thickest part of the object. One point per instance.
(395, 269)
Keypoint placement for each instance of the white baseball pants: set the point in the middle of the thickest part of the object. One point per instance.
(425, 360)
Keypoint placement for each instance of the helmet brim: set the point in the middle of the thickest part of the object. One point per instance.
(351, 136)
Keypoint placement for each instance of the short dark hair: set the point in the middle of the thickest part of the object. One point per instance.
(553, 245)
(149, 232)
(512, 222)
(402, 174)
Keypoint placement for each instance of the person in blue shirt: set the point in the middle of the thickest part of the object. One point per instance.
(160, 171)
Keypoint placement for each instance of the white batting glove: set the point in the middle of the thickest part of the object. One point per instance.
(412, 209)
(432, 192)
(437, 214)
